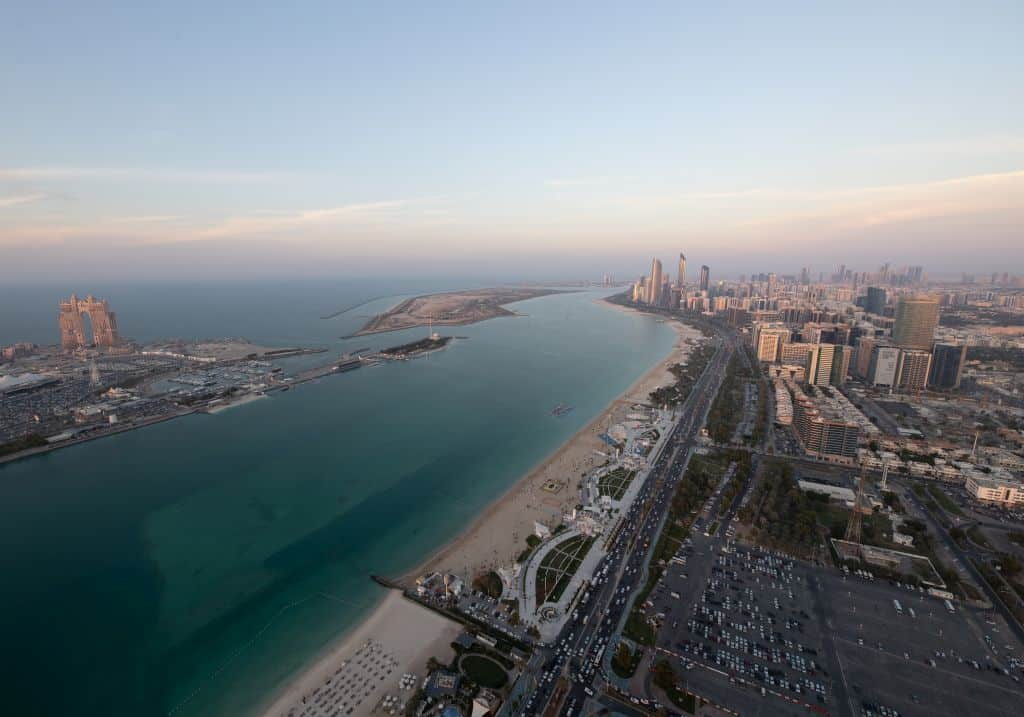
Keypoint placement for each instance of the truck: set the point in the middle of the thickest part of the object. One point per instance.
(949, 606)
(899, 608)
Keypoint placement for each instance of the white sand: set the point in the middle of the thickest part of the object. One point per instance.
(498, 535)
(413, 634)
(407, 632)
(233, 401)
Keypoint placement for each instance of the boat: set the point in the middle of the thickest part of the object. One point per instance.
(348, 364)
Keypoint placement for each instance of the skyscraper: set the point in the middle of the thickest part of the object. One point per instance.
(884, 362)
(654, 287)
(912, 374)
(862, 363)
(876, 300)
(916, 319)
(947, 365)
(819, 365)
(768, 340)
(681, 278)
(705, 277)
(72, 325)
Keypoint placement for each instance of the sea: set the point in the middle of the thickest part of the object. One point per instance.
(192, 567)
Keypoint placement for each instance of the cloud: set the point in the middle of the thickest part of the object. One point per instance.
(265, 222)
(316, 215)
(576, 182)
(155, 229)
(151, 219)
(962, 146)
(21, 199)
(135, 174)
(855, 210)
(810, 196)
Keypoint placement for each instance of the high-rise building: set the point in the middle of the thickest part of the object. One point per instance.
(912, 374)
(876, 300)
(796, 353)
(654, 285)
(681, 277)
(819, 365)
(916, 319)
(72, 325)
(638, 290)
(841, 364)
(862, 362)
(705, 277)
(822, 430)
(768, 341)
(828, 364)
(947, 365)
(884, 364)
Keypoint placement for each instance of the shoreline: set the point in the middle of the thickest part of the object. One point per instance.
(638, 391)
(474, 540)
(393, 616)
(479, 304)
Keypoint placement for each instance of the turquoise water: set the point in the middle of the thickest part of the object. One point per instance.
(194, 565)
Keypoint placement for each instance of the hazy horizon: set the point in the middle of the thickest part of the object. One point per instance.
(542, 143)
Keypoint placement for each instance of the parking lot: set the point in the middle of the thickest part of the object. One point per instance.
(920, 658)
(750, 634)
(762, 633)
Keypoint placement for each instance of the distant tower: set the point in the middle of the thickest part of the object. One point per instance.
(916, 319)
(72, 328)
(681, 277)
(654, 288)
(947, 365)
(876, 300)
(705, 277)
(94, 374)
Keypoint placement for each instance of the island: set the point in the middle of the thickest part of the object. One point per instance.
(417, 348)
(451, 309)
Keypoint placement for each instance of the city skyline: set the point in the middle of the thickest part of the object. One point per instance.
(533, 360)
(353, 148)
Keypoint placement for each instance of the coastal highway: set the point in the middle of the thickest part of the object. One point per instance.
(577, 653)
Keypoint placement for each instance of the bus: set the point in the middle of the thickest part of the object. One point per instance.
(949, 606)
(899, 608)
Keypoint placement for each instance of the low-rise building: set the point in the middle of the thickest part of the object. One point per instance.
(440, 586)
(783, 404)
(1004, 491)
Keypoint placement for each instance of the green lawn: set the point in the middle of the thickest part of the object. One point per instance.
(483, 671)
(944, 500)
(558, 567)
(616, 483)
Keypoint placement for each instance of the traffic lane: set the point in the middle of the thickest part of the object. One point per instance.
(649, 525)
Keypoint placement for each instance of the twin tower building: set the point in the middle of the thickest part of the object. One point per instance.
(72, 316)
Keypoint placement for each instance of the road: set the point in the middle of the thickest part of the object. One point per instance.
(577, 653)
(964, 560)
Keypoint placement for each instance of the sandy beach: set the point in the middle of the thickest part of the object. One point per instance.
(233, 401)
(400, 635)
(498, 535)
(411, 634)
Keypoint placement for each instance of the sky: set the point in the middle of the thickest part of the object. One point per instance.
(534, 140)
